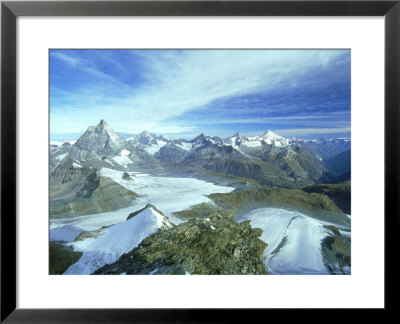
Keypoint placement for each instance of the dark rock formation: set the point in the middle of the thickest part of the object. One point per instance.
(212, 245)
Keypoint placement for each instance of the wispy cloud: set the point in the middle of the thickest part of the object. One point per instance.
(72, 61)
(156, 90)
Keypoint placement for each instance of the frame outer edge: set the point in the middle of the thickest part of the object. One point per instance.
(8, 162)
(392, 149)
(203, 8)
(8, 159)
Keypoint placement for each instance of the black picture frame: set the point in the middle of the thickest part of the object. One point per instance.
(10, 10)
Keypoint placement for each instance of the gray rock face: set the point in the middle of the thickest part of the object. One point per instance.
(100, 140)
(98, 195)
(147, 138)
(171, 154)
(57, 155)
(69, 170)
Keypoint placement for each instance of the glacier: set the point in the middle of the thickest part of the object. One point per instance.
(294, 240)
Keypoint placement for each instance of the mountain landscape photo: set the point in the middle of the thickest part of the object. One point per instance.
(205, 162)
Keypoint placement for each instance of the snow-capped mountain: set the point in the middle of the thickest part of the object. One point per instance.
(100, 140)
(147, 141)
(243, 142)
(271, 138)
(270, 158)
(144, 138)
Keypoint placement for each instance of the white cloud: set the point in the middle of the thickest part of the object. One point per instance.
(72, 61)
(177, 82)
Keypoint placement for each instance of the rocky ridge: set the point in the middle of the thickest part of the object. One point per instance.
(211, 245)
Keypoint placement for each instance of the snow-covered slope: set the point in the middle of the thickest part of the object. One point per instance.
(294, 241)
(154, 148)
(116, 240)
(238, 141)
(123, 158)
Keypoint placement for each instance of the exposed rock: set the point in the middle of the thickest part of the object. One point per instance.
(336, 250)
(61, 257)
(126, 176)
(100, 140)
(69, 170)
(91, 184)
(99, 195)
(144, 208)
(171, 154)
(212, 245)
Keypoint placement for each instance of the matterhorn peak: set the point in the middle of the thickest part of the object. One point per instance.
(100, 140)
(103, 125)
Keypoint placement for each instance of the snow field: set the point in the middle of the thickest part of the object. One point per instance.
(168, 194)
(294, 241)
(115, 241)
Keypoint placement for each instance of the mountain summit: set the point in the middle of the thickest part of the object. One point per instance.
(100, 140)
(272, 138)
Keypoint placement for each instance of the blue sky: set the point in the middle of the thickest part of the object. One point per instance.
(181, 93)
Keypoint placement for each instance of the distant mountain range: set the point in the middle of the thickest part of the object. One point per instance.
(270, 159)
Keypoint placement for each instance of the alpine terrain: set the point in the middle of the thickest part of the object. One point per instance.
(147, 204)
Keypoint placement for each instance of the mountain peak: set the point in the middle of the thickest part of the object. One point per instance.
(147, 138)
(100, 140)
(271, 135)
(102, 124)
(200, 137)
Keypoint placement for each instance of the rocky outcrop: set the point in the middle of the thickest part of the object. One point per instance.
(61, 257)
(126, 176)
(69, 170)
(212, 245)
(336, 251)
(98, 195)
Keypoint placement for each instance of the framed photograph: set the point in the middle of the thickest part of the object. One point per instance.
(177, 155)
